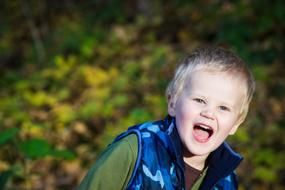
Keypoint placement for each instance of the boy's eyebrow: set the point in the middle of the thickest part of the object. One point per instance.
(196, 94)
(227, 104)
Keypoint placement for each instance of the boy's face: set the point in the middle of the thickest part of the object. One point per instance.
(207, 110)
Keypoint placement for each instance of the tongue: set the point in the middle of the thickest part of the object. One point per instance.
(201, 135)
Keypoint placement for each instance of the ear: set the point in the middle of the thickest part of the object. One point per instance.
(171, 105)
(233, 130)
(236, 126)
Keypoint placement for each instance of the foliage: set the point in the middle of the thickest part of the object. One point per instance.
(74, 74)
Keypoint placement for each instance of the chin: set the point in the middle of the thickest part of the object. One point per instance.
(198, 151)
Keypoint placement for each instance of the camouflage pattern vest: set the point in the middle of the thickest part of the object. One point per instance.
(160, 165)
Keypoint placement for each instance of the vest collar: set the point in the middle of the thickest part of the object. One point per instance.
(175, 143)
(221, 162)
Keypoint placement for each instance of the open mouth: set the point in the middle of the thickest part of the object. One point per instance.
(202, 133)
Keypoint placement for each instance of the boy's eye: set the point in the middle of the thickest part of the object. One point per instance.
(224, 108)
(199, 100)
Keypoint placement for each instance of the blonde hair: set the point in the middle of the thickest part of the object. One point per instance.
(216, 60)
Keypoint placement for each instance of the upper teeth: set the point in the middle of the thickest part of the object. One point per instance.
(205, 127)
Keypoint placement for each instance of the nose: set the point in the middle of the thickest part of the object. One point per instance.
(208, 113)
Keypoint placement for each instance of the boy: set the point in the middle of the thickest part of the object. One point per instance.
(208, 99)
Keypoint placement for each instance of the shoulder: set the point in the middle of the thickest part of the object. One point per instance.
(126, 147)
(128, 143)
(119, 158)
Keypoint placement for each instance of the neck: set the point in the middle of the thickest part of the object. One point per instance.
(195, 161)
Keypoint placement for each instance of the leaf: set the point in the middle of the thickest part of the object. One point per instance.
(65, 154)
(4, 177)
(35, 148)
(7, 135)
(89, 109)
(265, 174)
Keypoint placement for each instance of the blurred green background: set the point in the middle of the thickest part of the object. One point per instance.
(74, 74)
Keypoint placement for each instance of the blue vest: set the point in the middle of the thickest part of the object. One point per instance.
(160, 164)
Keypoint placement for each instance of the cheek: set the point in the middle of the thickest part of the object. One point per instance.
(184, 117)
(228, 123)
(183, 113)
(186, 112)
